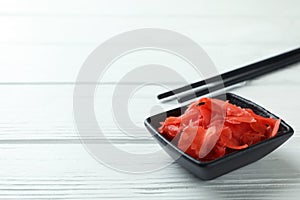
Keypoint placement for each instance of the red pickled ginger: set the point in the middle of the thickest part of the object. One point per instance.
(212, 128)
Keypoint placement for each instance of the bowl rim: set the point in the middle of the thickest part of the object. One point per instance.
(288, 131)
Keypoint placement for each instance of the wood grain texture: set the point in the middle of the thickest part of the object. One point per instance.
(43, 44)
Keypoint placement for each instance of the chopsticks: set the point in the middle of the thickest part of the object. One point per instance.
(236, 76)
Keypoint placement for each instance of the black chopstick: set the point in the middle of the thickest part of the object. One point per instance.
(238, 75)
(278, 62)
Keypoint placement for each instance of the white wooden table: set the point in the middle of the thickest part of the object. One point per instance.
(42, 47)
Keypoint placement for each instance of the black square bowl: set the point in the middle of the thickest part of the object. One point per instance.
(229, 162)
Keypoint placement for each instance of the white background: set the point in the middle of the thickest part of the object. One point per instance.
(44, 43)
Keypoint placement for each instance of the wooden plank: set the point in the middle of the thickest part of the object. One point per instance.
(219, 30)
(57, 171)
(44, 113)
(267, 8)
(33, 43)
(61, 63)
